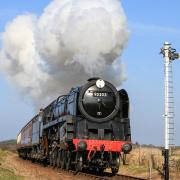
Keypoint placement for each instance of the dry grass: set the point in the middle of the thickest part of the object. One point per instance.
(143, 159)
(146, 156)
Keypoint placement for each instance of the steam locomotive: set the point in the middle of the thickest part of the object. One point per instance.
(89, 128)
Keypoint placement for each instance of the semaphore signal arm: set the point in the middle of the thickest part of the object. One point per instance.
(172, 54)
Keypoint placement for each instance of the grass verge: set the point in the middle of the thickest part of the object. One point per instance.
(6, 174)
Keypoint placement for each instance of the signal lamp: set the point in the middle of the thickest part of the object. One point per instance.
(126, 148)
(82, 146)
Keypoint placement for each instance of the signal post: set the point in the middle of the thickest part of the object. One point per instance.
(169, 55)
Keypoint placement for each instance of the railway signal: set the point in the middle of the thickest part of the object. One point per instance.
(169, 55)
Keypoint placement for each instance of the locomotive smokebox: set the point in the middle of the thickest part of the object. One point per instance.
(99, 100)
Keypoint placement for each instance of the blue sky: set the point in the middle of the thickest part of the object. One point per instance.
(151, 23)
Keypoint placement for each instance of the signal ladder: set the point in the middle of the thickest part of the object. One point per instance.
(169, 103)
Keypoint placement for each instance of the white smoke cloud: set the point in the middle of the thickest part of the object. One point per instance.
(71, 41)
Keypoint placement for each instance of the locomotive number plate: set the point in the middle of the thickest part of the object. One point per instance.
(100, 94)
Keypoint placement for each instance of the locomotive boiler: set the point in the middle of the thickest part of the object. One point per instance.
(89, 128)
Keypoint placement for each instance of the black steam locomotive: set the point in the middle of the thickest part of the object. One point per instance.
(85, 129)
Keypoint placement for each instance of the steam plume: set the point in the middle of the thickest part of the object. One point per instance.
(71, 41)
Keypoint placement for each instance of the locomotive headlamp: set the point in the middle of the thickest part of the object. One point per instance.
(126, 148)
(82, 146)
(100, 83)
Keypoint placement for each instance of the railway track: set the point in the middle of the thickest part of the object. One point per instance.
(104, 176)
(90, 175)
(125, 177)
